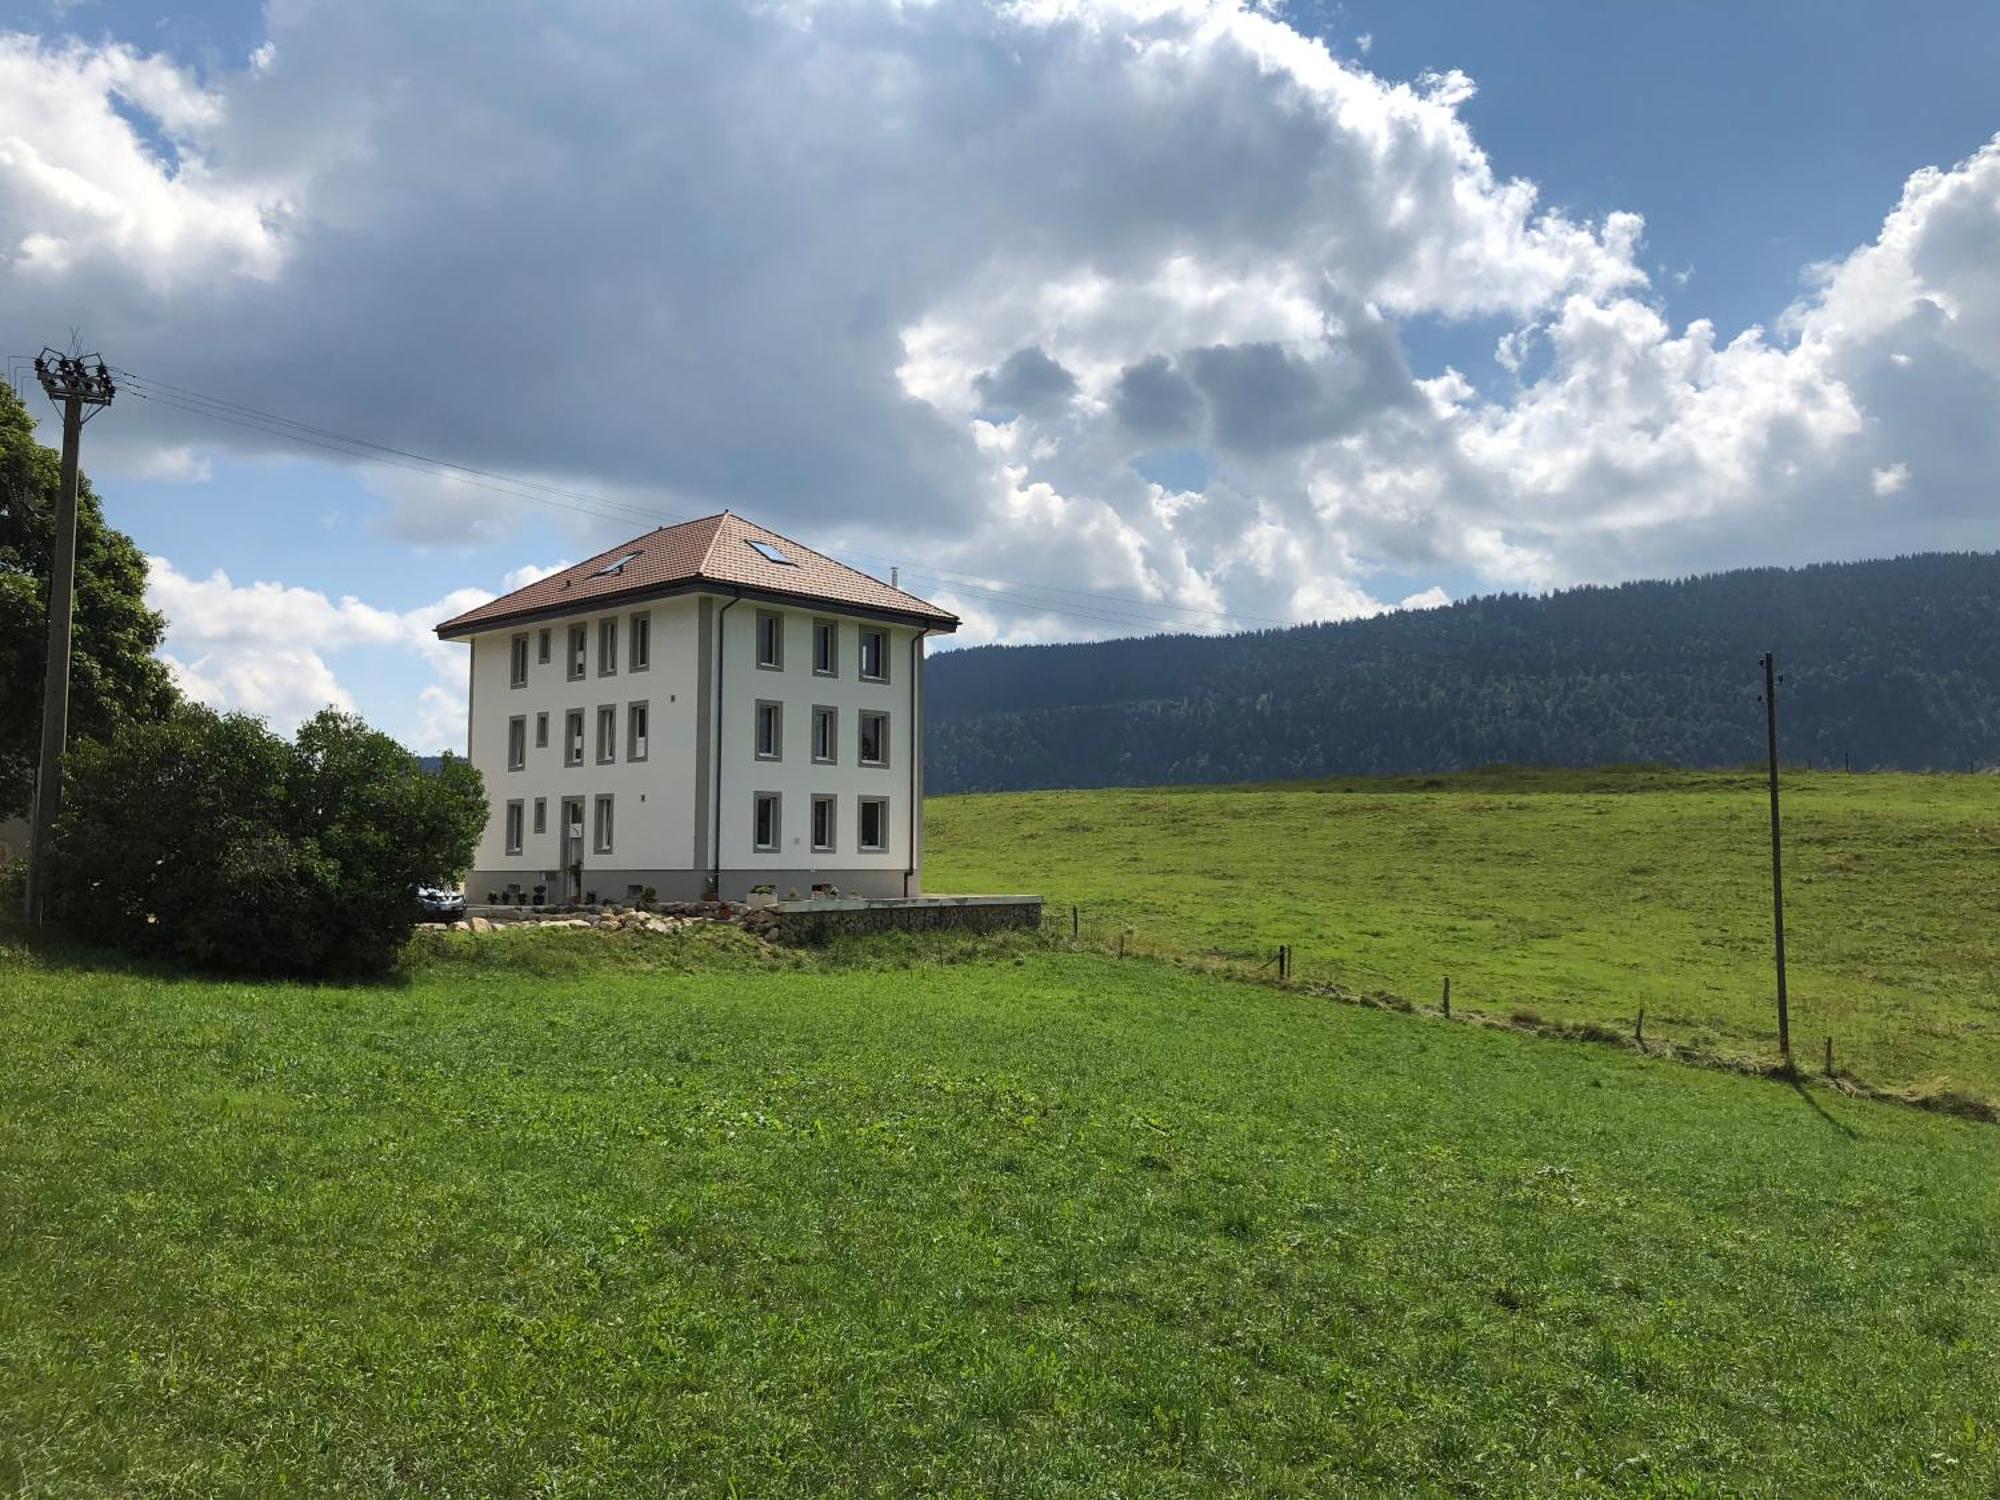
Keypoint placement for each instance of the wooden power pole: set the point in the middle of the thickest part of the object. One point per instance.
(1777, 866)
(81, 386)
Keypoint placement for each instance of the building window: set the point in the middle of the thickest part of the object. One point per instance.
(517, 742)
(875, 655)
(573, 737)
(636, 717)
(642, 640)
(826, 648)
(518, 662)
(874, 824)
(607, 734)
(770, 730)
(823, 825)
(765, 833)
(607, 647)
(770, 640)
(542, 647)
(874, 739)
(541, 731)
(603, 834)
(579, 639)
(541, 815)
(826, 734)
(513, 827)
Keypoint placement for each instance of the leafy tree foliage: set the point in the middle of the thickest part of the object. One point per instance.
(207, 839)
(1887, 664)
(114, 676)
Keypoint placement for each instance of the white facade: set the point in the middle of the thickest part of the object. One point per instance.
(679, 813)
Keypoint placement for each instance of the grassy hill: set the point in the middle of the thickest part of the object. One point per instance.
(1574, 896)
(1888, 664)
(554, 1217)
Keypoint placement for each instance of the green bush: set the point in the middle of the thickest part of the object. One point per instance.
(208, 840)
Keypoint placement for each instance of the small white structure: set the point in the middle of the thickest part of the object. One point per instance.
(708, 708)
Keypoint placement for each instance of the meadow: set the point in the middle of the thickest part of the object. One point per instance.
(1568, 896)
(564, 1214)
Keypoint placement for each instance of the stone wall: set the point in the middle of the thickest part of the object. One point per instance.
(807, 922)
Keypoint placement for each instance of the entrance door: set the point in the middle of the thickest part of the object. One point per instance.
(572, 847)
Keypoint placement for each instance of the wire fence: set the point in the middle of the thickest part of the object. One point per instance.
(1818, 1056)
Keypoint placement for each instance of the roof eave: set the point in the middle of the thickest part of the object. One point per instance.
(459, 629)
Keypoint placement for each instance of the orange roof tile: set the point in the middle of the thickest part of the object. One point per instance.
(713, 552)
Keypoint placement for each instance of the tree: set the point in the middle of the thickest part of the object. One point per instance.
(114, 677)
(208, 840)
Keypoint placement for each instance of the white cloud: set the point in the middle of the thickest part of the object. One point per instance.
(936, 282)
(263, 648)
(82, 188)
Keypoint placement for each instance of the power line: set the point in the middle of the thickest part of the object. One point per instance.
(1093, 604)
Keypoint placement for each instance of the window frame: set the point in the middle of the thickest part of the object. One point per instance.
(607, 743)
(881, 846)
(776, 619)
(513, 822)
(517, 742)
(576, 747)
(831, 716)
(776, 801)
(603, 823)
(577, 664)
(639, 641)
(831, 803)
(881, 716)
(607, 646)
(638, 729)
(541, 816)
(543, 647)
(517, 661)
(777, 712)
(832, 629)
(542, 730)
(861, 654)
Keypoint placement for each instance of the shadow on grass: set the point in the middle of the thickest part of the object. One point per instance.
(55, 950)
(1811, 1097)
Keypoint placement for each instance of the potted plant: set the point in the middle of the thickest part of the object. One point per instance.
(492, 898)
(763, 895)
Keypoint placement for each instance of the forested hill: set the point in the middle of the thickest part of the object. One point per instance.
(1887, 664)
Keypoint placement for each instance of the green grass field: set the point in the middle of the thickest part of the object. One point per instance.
(552, 1219)
(1577, 896)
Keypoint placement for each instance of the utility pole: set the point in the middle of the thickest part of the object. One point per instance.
(78, 384)
(1777, 868)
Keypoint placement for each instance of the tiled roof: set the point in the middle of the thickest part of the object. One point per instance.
(715, 550)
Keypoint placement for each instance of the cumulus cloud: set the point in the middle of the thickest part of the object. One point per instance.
(940, 282)
(263, 648)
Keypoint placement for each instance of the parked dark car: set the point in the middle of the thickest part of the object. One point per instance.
(436, 904)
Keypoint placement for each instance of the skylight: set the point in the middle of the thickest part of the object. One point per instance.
(615, 567)
(772, 551)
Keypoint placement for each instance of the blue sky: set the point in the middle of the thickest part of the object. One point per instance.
(440, 233)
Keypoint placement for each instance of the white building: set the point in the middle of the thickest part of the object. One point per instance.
(709, 707)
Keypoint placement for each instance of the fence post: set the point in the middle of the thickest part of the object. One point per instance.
(1829, 1057)
(1075, 924)
(1639, 1031)
(1447, 997)
(1121, 944)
